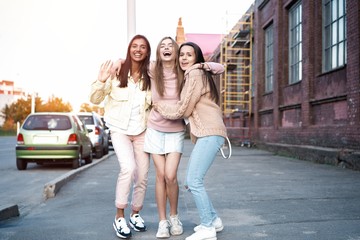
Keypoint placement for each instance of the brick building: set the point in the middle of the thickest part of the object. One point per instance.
(305, 84)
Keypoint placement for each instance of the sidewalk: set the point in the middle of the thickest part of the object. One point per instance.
(258, 196)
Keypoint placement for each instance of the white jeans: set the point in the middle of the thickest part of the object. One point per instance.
(134, 167)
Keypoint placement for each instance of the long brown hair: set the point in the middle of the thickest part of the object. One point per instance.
(207, 77)
(159, 68)
(126, 66)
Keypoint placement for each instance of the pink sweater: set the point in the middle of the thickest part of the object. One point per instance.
(155, 120)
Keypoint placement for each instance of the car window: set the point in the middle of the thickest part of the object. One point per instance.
(47, 122)
(87, 120)
(79, 124)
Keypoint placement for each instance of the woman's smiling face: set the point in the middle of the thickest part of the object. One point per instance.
(167, 50)
(187, 57)
(138, 50)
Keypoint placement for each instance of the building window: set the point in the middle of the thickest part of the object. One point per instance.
(295, 45)
(269, 58)
(334, 34)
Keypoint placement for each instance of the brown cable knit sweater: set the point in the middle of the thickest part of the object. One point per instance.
(204, 114)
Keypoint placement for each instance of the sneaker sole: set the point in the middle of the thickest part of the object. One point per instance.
(176, 233)
(135, 228)
(118, 234)
(162, 237)
(211, 238)
(219, 229)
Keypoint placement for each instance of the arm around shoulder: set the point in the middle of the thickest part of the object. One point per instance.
(214, 67)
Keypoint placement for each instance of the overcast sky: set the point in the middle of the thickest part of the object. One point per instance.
(55, 47)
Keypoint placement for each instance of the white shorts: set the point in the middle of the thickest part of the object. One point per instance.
(157, 142)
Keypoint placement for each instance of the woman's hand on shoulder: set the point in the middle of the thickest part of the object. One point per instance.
(199, 66)
(104, 72)
(115, 70)
(154, 106)
(195, 66)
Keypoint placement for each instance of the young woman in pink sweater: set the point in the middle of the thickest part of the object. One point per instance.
(199, 104)
(164, 138)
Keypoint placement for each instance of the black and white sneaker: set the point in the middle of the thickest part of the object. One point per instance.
(137, 223)
(121, 228)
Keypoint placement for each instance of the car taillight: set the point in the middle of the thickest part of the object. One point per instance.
(97, 131)
(20, 139)
(72, 139)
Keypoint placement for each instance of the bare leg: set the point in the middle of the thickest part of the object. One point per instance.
(160, 185)
(172, 186)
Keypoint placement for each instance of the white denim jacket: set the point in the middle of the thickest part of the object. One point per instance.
(118, 102)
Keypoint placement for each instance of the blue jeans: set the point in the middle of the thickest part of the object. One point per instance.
(201, 158)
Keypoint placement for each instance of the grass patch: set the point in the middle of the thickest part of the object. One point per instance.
(7, 132)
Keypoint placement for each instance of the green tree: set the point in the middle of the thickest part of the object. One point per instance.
(55, 104)
(19, 110)
(16, 112)
(85, 107)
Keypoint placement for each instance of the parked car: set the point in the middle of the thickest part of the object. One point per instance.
(53, 137)
(108, 132)
(98, 135)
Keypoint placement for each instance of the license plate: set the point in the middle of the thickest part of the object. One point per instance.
(45, 139)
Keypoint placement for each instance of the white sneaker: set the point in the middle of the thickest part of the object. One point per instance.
(176, 227)
(217, 224)
(163, 229)
(203, 233)
(137, 223)
(121, 228)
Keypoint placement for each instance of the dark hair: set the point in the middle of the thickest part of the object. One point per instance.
(159, 68)
(207, 77)
(126, 66)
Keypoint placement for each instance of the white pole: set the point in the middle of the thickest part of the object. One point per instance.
(131, 19)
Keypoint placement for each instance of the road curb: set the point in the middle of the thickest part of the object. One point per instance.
(8, 211)
(53, 187)
(50, 189)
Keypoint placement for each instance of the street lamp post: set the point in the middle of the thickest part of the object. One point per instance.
(131, 19)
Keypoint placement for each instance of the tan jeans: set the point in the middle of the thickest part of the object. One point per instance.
(134, 167)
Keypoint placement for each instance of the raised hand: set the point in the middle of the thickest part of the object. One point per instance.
(104, 72)
(115, 70)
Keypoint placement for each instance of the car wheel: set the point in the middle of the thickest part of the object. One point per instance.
(21, 164)
(104, 151)
(89, 159)
(77, 161)
(99, 153)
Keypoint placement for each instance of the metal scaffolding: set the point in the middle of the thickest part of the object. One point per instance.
(236, 82)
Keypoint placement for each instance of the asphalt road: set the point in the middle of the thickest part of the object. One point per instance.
(24, 189)
(257, 194)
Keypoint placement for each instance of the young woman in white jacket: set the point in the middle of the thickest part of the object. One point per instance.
(127, 105)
